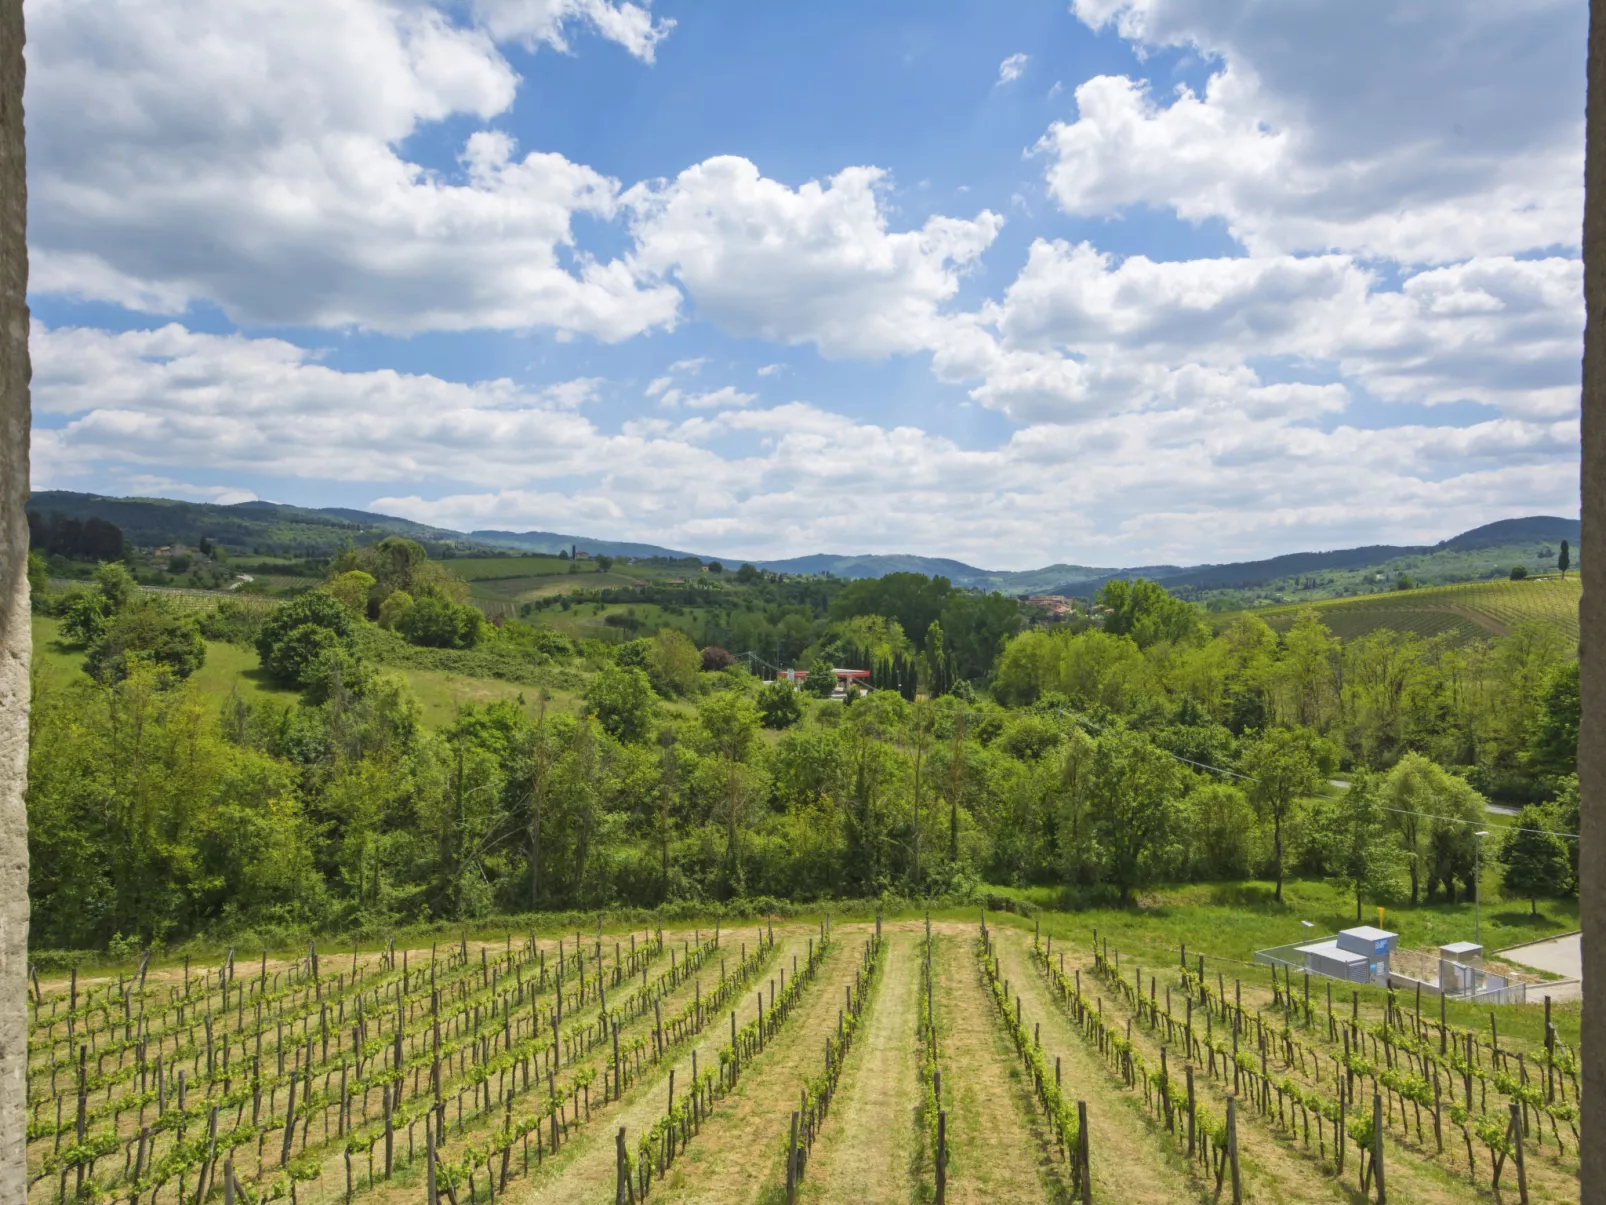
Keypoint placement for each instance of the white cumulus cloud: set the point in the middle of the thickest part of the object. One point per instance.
(814, 264)
(246, 154)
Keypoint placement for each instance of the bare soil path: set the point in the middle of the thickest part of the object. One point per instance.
(864, 1153)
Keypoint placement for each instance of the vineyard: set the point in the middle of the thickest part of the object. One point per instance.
(1460, 613)
(853, 1063)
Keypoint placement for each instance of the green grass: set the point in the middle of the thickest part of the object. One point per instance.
(230, 668)
(496, 568)
(1460, 613)
(1230, 921)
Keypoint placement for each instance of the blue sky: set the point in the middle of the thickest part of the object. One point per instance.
(1109, 282)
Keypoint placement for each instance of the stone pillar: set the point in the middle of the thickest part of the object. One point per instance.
(1592, 627)
(15, 642)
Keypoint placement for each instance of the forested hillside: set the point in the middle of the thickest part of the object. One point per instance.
(656, 768)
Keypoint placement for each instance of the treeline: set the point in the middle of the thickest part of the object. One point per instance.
(1105, 761)
(91, 539)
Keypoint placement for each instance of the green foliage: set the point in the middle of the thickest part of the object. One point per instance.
(148, 632)
(1353, 842)
(1221, 825)
(38, 574)
(394, 609)
(1435, 814)
(1132, 811)
(298, 634)
(352, 588)
(1534, 861)
(397, 563)
(975, 628)
(437, 623)
(1519, 573)
(621, 699)
(1283, 765)
(1148, 613)
(912, 599)
(1553, 746)
(778, 705)
(673, 663)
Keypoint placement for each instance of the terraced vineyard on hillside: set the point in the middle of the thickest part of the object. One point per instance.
(1460, 613)
(851, 1063)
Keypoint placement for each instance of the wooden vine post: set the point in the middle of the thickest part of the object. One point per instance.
(1081, 1153)
(1377, 1147)
(942, 1157)
(791, 1164)
(1232, 1150)
(1516, 1153)
(624, 1191)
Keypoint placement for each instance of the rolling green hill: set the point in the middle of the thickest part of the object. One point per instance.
(1461, 613)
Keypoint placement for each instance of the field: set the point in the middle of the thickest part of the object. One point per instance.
(859, 1060)
(231, 669)
(498, 568)
(1461, 613)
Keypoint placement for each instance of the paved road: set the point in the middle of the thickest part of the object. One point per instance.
(1560, 956)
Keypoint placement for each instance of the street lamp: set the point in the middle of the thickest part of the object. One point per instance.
(1477, 915)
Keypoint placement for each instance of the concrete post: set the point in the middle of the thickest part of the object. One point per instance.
(16, 645)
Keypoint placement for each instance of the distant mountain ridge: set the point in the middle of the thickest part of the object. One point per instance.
(321, 531)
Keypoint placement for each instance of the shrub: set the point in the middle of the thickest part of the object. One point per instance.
(435, 623)
(778, 705)
(716, 659)
(147, 631)
(299, 632)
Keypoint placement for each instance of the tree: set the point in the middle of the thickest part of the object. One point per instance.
(715, 567)
(1434, 813)
(147, 631)
(975, 628)
(729, 721)
(1283, 766)
(38, 575)
(1536, 862)
(604, 563)
(621, 699)
(1553, 743)
(748, 574)
(299, 632)
(434, 622)
(397, 603)
(1131, 793)
(1564, 559)
(673, 662)
(1354, 841)
(778, 705)
(715, 659)
(352, 588)
(1519, 573)
(913, 599)
(1147, 612)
